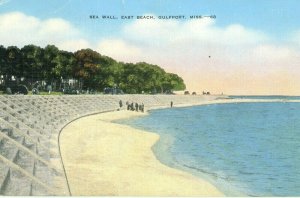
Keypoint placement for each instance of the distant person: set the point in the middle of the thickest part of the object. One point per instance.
(136, 106)
(132, 107)
(171, 104)
(142, 107)
(128, 107)
(120, 103)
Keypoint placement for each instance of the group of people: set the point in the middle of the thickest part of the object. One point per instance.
(133, 106)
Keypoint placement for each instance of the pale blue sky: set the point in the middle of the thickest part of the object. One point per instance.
(274, 17)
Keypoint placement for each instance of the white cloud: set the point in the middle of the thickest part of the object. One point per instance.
(204, 30)
(186, 45)
(74, 45)
(119, 49)
(151, 29)
(20, 29)
(274, 54)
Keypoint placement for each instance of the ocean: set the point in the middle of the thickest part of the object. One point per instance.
(250, 149)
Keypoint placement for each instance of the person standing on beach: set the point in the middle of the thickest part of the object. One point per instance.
(131, 107)
(171, 104)
(120, 103)
(142, 107)
(136, 106)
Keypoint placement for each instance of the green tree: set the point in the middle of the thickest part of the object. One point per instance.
(2, 59)
(13, 61)
(32, 63)
(3, 64)
(176, 82)
(88, 64)
(130, 79)
(157, 76)
(49, 62)
(88, 67)
(112, 75)
(65, 64)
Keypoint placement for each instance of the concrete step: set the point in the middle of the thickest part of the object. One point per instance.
(43, 173)
(25, 161)
(38, 190)
(9, 132)
(43, 153)
(8, 149)
(29, 144)
(4, 176)
(17, 184)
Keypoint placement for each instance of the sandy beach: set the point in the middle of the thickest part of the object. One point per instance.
(105, 158)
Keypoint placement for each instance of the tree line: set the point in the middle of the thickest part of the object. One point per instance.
(87, 69)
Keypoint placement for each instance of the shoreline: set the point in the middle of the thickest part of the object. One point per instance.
(106, 170)
(118, 160)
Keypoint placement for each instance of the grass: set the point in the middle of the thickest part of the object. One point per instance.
(47, 93)
(41, 93)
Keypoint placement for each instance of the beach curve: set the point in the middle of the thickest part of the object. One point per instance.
(106, 158)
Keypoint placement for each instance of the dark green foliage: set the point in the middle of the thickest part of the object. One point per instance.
(88, 68)
(13, 63)
(3, 63)
(32, 63)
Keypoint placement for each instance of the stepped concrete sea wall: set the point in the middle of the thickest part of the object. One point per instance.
(30, 161)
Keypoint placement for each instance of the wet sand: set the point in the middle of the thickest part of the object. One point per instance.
(105, 158)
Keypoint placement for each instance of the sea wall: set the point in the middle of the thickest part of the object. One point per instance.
(30, 160)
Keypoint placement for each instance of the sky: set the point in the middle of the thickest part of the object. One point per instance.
(252, 47)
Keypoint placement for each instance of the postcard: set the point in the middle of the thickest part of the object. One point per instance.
(149, 98)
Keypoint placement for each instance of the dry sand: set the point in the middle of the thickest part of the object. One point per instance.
(104, 158)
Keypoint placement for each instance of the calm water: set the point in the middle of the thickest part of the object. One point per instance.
(268, 97)
(244, 149)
